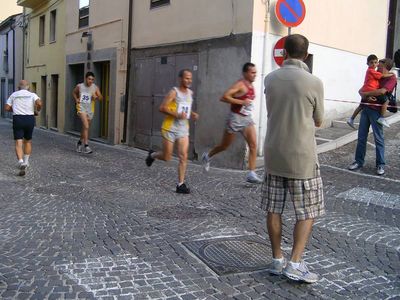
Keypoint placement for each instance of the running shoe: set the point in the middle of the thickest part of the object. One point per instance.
(276, 266)
(301, 273)
(22, 169)
(87, 150)
(380, 170)
(205, 160)
(182, 189)
(252, 177)
(354, 166)
(79, 147)
(149, 159)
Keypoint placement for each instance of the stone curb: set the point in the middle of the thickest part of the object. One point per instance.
(348, 138)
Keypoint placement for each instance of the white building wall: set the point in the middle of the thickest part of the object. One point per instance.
(342, 73)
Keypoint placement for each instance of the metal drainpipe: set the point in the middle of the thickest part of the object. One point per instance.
(13, 30)
(263, 74)
(128, 71)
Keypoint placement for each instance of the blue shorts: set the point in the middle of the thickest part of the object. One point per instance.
(23, 126)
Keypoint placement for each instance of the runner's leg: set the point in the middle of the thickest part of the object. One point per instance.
(227, 140)
(250, 136)
(182, 147)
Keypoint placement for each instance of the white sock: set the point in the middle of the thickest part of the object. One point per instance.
(26, 159)
(179, 184)
(153, 155)
(279, 259)
(21, 160)
(294, 264)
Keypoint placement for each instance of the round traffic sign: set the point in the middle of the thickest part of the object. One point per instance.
(290, 12)
(279, 51)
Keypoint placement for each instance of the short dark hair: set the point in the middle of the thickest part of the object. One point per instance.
(182, 72)
(296, 46)
(371, 57)
(89, 74)
(387, 62)
(246, 67)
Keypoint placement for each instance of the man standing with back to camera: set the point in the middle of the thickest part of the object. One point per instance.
(295, 105)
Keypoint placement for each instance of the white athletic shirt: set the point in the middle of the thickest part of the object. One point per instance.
(22, 102)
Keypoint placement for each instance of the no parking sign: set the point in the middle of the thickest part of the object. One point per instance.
(290, 12)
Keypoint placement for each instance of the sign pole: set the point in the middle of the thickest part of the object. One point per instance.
(289, 30)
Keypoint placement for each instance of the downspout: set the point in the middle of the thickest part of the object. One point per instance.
(263, 74)
(12, 26)
(128, 71)
(23, 43)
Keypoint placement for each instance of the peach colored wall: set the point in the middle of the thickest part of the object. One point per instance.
(357, 26)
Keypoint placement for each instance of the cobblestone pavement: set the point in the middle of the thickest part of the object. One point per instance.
(104, 226)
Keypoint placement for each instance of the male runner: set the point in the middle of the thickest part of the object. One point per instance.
(23, 104)
(241, 97)
(177, 106)
(85, 95)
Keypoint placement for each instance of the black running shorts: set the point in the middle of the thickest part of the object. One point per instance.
(23, 126)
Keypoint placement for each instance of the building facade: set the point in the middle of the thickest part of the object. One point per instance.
(11, 68)
(96, 40)
(44, 58)
(214, 39)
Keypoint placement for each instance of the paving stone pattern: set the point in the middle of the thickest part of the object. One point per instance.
(104, 226)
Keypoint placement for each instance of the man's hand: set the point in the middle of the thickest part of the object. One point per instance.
(182, 116)
(372, 99)
(247, 102)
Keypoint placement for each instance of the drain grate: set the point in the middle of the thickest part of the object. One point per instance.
(178, 212)
(232, 255)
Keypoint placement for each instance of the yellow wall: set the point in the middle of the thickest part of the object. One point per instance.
(357, 26)
(48, 59)
(188, 20)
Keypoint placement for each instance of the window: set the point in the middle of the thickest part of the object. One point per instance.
(42, 21)
(83, 13)
(53, 18)
(157, 3)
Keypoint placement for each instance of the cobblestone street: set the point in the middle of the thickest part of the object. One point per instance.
(105, 226)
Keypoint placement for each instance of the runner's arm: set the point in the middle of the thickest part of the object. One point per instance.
(164, 107)
(227, 97)
(9, 102)
(75, 94)
(38, 104)
(97, 95)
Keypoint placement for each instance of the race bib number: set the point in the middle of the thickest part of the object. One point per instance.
(246, 110)
(186, 108)
(86, 98)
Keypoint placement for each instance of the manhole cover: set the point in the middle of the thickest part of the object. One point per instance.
(178, 212)
(61, 189)
(232, 255)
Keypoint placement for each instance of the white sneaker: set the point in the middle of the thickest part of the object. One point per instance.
(382, 121)
(300, 274)
(87, 150)
(276, 267)
(252, 177)
(205, 160)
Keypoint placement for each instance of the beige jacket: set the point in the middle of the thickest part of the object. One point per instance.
(295, 100)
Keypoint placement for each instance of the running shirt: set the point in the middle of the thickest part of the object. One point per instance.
(23, 102)
(182, 103)
(85, 96)
(242, 109)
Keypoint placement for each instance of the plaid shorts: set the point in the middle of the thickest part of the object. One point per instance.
(307, 196)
